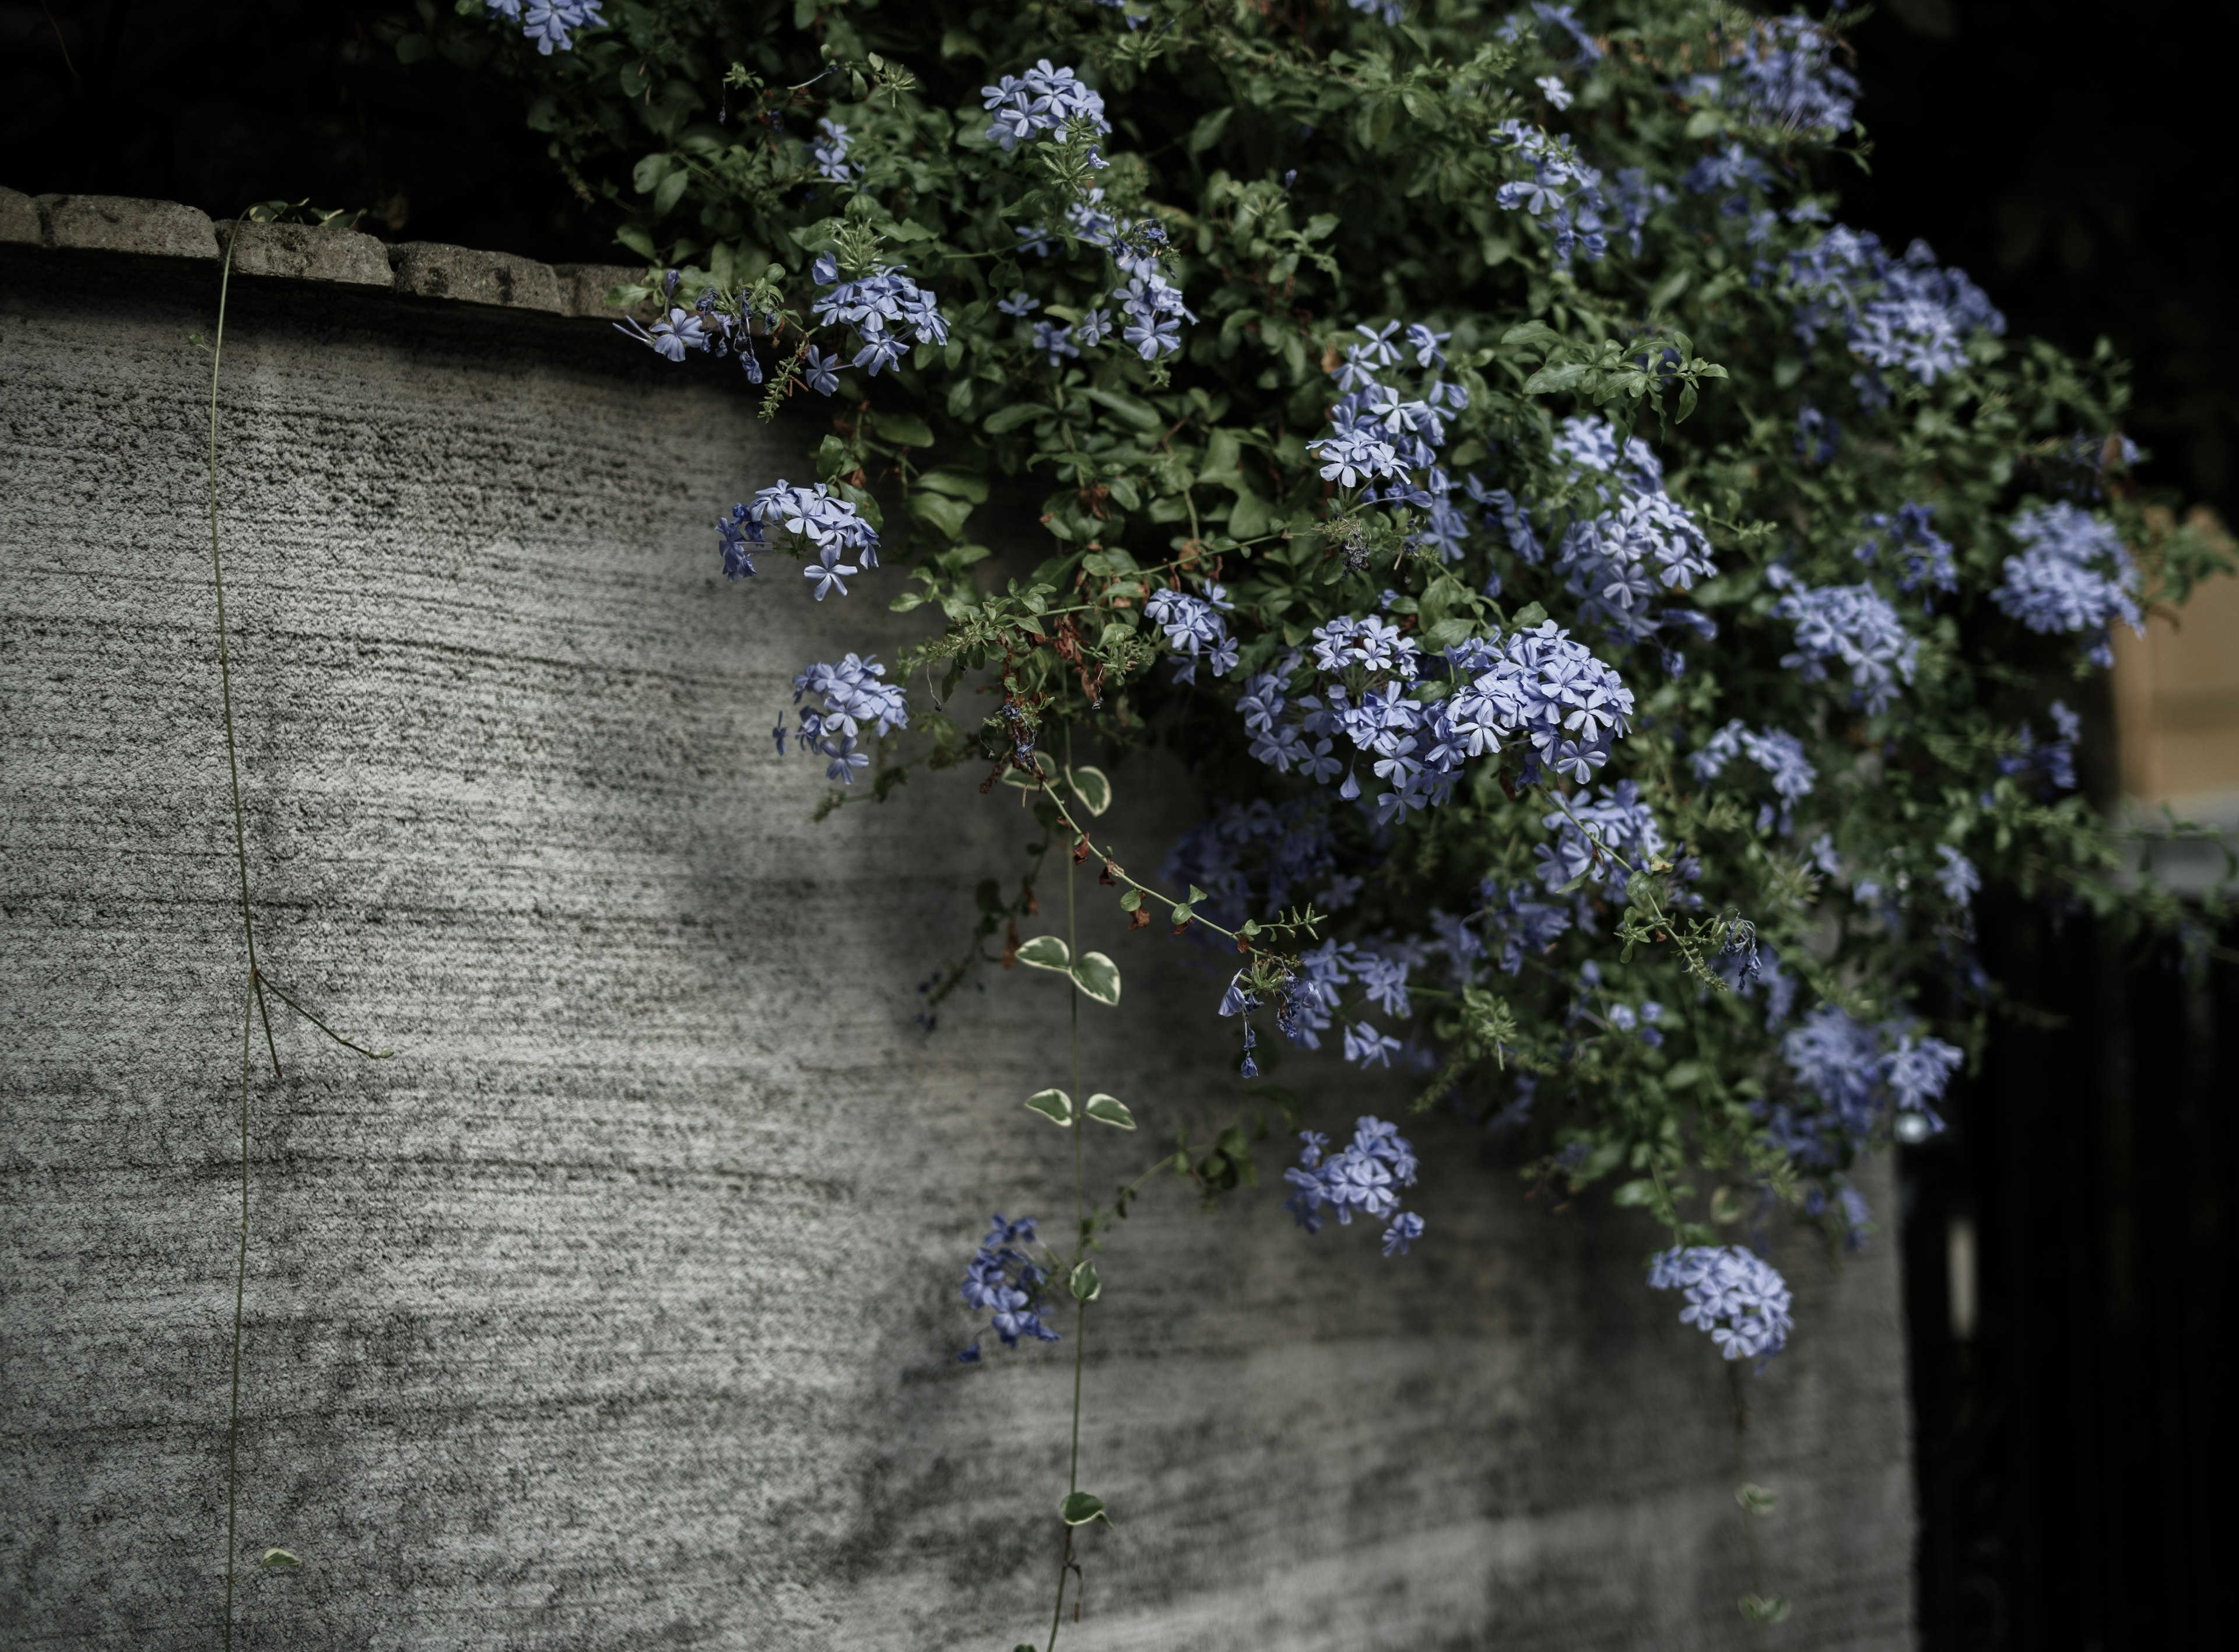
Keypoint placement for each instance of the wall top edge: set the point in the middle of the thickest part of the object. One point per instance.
(118, 224)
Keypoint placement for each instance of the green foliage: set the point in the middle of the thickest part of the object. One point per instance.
(1312, 170)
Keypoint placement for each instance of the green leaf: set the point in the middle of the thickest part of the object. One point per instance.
(1095, 974)
(278, 1558)
(1639, 1191)
(1764, 1609)
(1529, 615)
(1083, 1282)
(1046, 952)
(940, 512)
(1559, 377)
(1011, 417)
(1079, 1509)
(1251, 517)
(1131, 900)
(637, 241)
(1110, 1109)
(670, 192)
(413, 49)
(906, 427)
(1207, 131)
(1093, 786)
(1142, 414)
(1052, 1105)
(1755, 1498)
(957, 484)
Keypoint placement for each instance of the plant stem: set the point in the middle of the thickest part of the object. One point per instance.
(240, 1295)
(224, 658)
(254, 1007)
(1080, 1217)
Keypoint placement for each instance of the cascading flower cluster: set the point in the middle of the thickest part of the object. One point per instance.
(1005, 1282)
(887, 312)
(828, 528)
(857, 703)
(1046, 99)
(1779, 754)
(1849, 1075)
(2074, 574)
(1854, 626)
(1437, 595)
(1901, 314)
(1364, 1176)
(1538, 687)
(549, 22)
(1735, 1295)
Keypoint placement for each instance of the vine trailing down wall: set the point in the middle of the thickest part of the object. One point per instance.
(1620, 616)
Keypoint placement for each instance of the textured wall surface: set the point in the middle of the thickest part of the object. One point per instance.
(617, 1308)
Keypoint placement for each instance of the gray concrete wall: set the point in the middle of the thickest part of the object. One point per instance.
(617, 1308)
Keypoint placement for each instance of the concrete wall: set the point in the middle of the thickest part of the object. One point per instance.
(617, 1308)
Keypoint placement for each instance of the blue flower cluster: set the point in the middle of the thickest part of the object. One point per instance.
(1896, 313)
(1615, 820)
(1363, 1176)
(1817, 437)
(1620, 562)
(1389, 10)
(1004, 1280)
(854, 699)
(1854, 1072)
(1043, 100)
(1855, 625)
(704, 327)
(548, 22)
(830, 152)
(1560, 188)
(833, 528)
(1777, 752)
(1784, 76)
(2073, 575)
(1194, 628)
(1287, 847)
(1735, 1295)
(1957, 877)
(888, 312)
(2054, 758)
(1518, 924)
(1915, 553)
(1539, 686)
(1562, 21)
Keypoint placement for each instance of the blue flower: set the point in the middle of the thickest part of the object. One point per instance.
(1957, 877)
(1405, 1229)
(830, 152)
(1735, 1296)
(1054, 341)
(1018, 304)
(738, 535)
(821, 371)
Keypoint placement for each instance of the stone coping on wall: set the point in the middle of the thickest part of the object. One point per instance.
(117, 223)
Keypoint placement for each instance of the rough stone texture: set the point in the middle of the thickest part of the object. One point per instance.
(616, 1309)
(584, 287)
(430, 270)
(120, 224)
(19, 219)
(305, 252)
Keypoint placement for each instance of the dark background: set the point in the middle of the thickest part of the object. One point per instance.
(2076, 1445)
